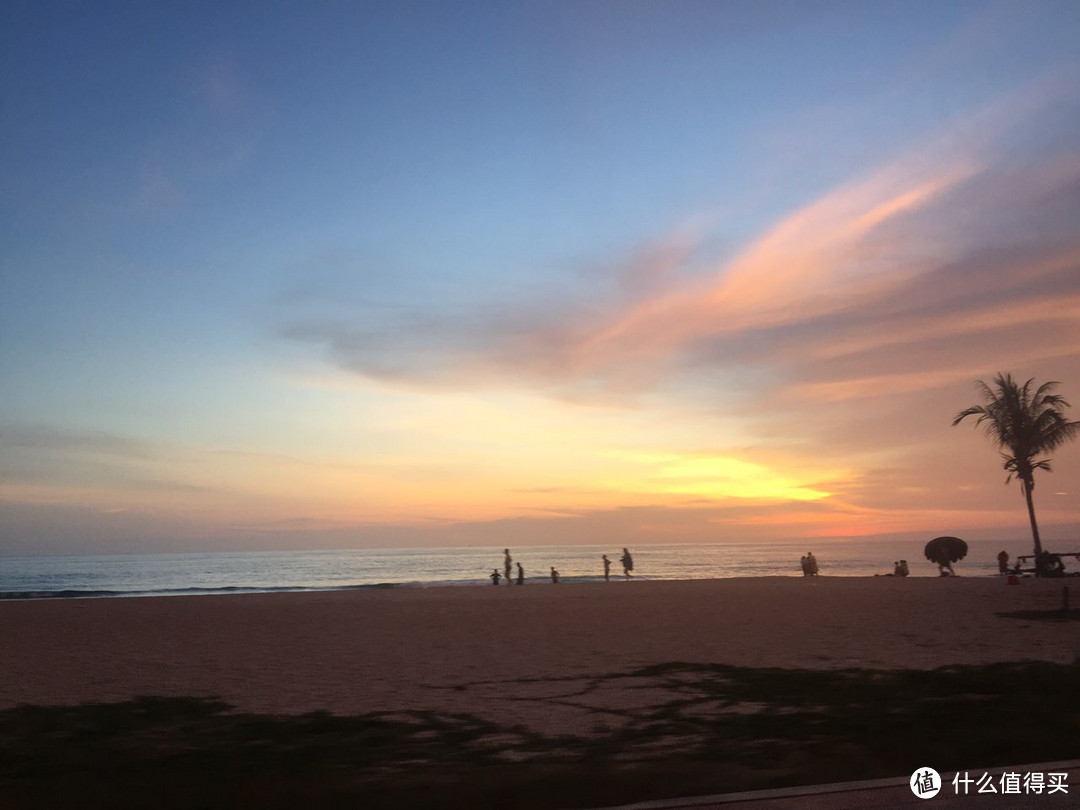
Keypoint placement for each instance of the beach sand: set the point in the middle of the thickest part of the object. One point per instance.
(516, 654)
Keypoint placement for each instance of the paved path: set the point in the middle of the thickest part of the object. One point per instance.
(892, 793)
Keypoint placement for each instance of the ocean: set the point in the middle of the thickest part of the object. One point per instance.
(341, 569)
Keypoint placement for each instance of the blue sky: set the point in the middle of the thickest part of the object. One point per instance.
(298, 274)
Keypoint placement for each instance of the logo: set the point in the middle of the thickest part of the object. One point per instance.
(925, 783)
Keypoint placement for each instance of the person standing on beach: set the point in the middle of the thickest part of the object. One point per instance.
(554, 575)
(507, 564)
(811, 563)
(521, 575)
(607, 569)
(1003, 562)
(495, 576)
(627, 562)
(805, 566)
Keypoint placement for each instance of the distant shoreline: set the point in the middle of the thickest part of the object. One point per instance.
(70, 593)
(226, 590)
(107, 577)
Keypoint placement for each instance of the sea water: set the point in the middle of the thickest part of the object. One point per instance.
(245, 572)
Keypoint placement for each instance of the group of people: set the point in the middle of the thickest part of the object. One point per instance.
(508, 563)
(899, 569)
(627, 565)
(809, 565)
(626, 559)
(1046, 564)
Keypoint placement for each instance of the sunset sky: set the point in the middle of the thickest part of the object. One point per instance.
(322, 274)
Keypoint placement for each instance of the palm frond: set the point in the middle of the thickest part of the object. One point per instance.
(972, 411)
(1022, 419)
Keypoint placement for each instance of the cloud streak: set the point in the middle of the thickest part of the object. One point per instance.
(962, 236)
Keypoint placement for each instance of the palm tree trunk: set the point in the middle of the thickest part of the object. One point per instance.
(1031, 516)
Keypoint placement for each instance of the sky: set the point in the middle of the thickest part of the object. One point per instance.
(347, 274)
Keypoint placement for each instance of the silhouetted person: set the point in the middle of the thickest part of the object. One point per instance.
(904, 570)
(607, 569)
(1049, 565)
(506, 564)
(805, 565)
(627, 563)
(1003, 562)
(495, 576)
(811, 564)
(554, 575)
(521, 575)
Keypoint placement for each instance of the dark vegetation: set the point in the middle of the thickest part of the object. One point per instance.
(713, 729)
(1044, 615)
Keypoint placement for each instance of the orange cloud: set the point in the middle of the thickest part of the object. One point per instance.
(813, 263)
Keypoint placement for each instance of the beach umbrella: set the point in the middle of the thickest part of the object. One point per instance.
(946, 550)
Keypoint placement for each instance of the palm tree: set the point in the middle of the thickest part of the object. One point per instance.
(1026, 423)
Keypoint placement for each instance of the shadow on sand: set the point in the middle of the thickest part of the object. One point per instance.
(682, 729)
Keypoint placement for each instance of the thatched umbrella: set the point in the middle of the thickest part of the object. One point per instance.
(945, 551)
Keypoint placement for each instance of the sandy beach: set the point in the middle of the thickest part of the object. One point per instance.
(508, 653)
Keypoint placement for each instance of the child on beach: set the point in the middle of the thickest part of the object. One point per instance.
(495, 576)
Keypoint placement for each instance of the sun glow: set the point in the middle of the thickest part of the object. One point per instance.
(716, 477)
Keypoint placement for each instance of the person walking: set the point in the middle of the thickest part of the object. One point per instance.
(607, 569)
(507, 564)
(554, 576)
(627, 562)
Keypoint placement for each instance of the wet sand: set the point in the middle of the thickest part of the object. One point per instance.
(508, 652)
